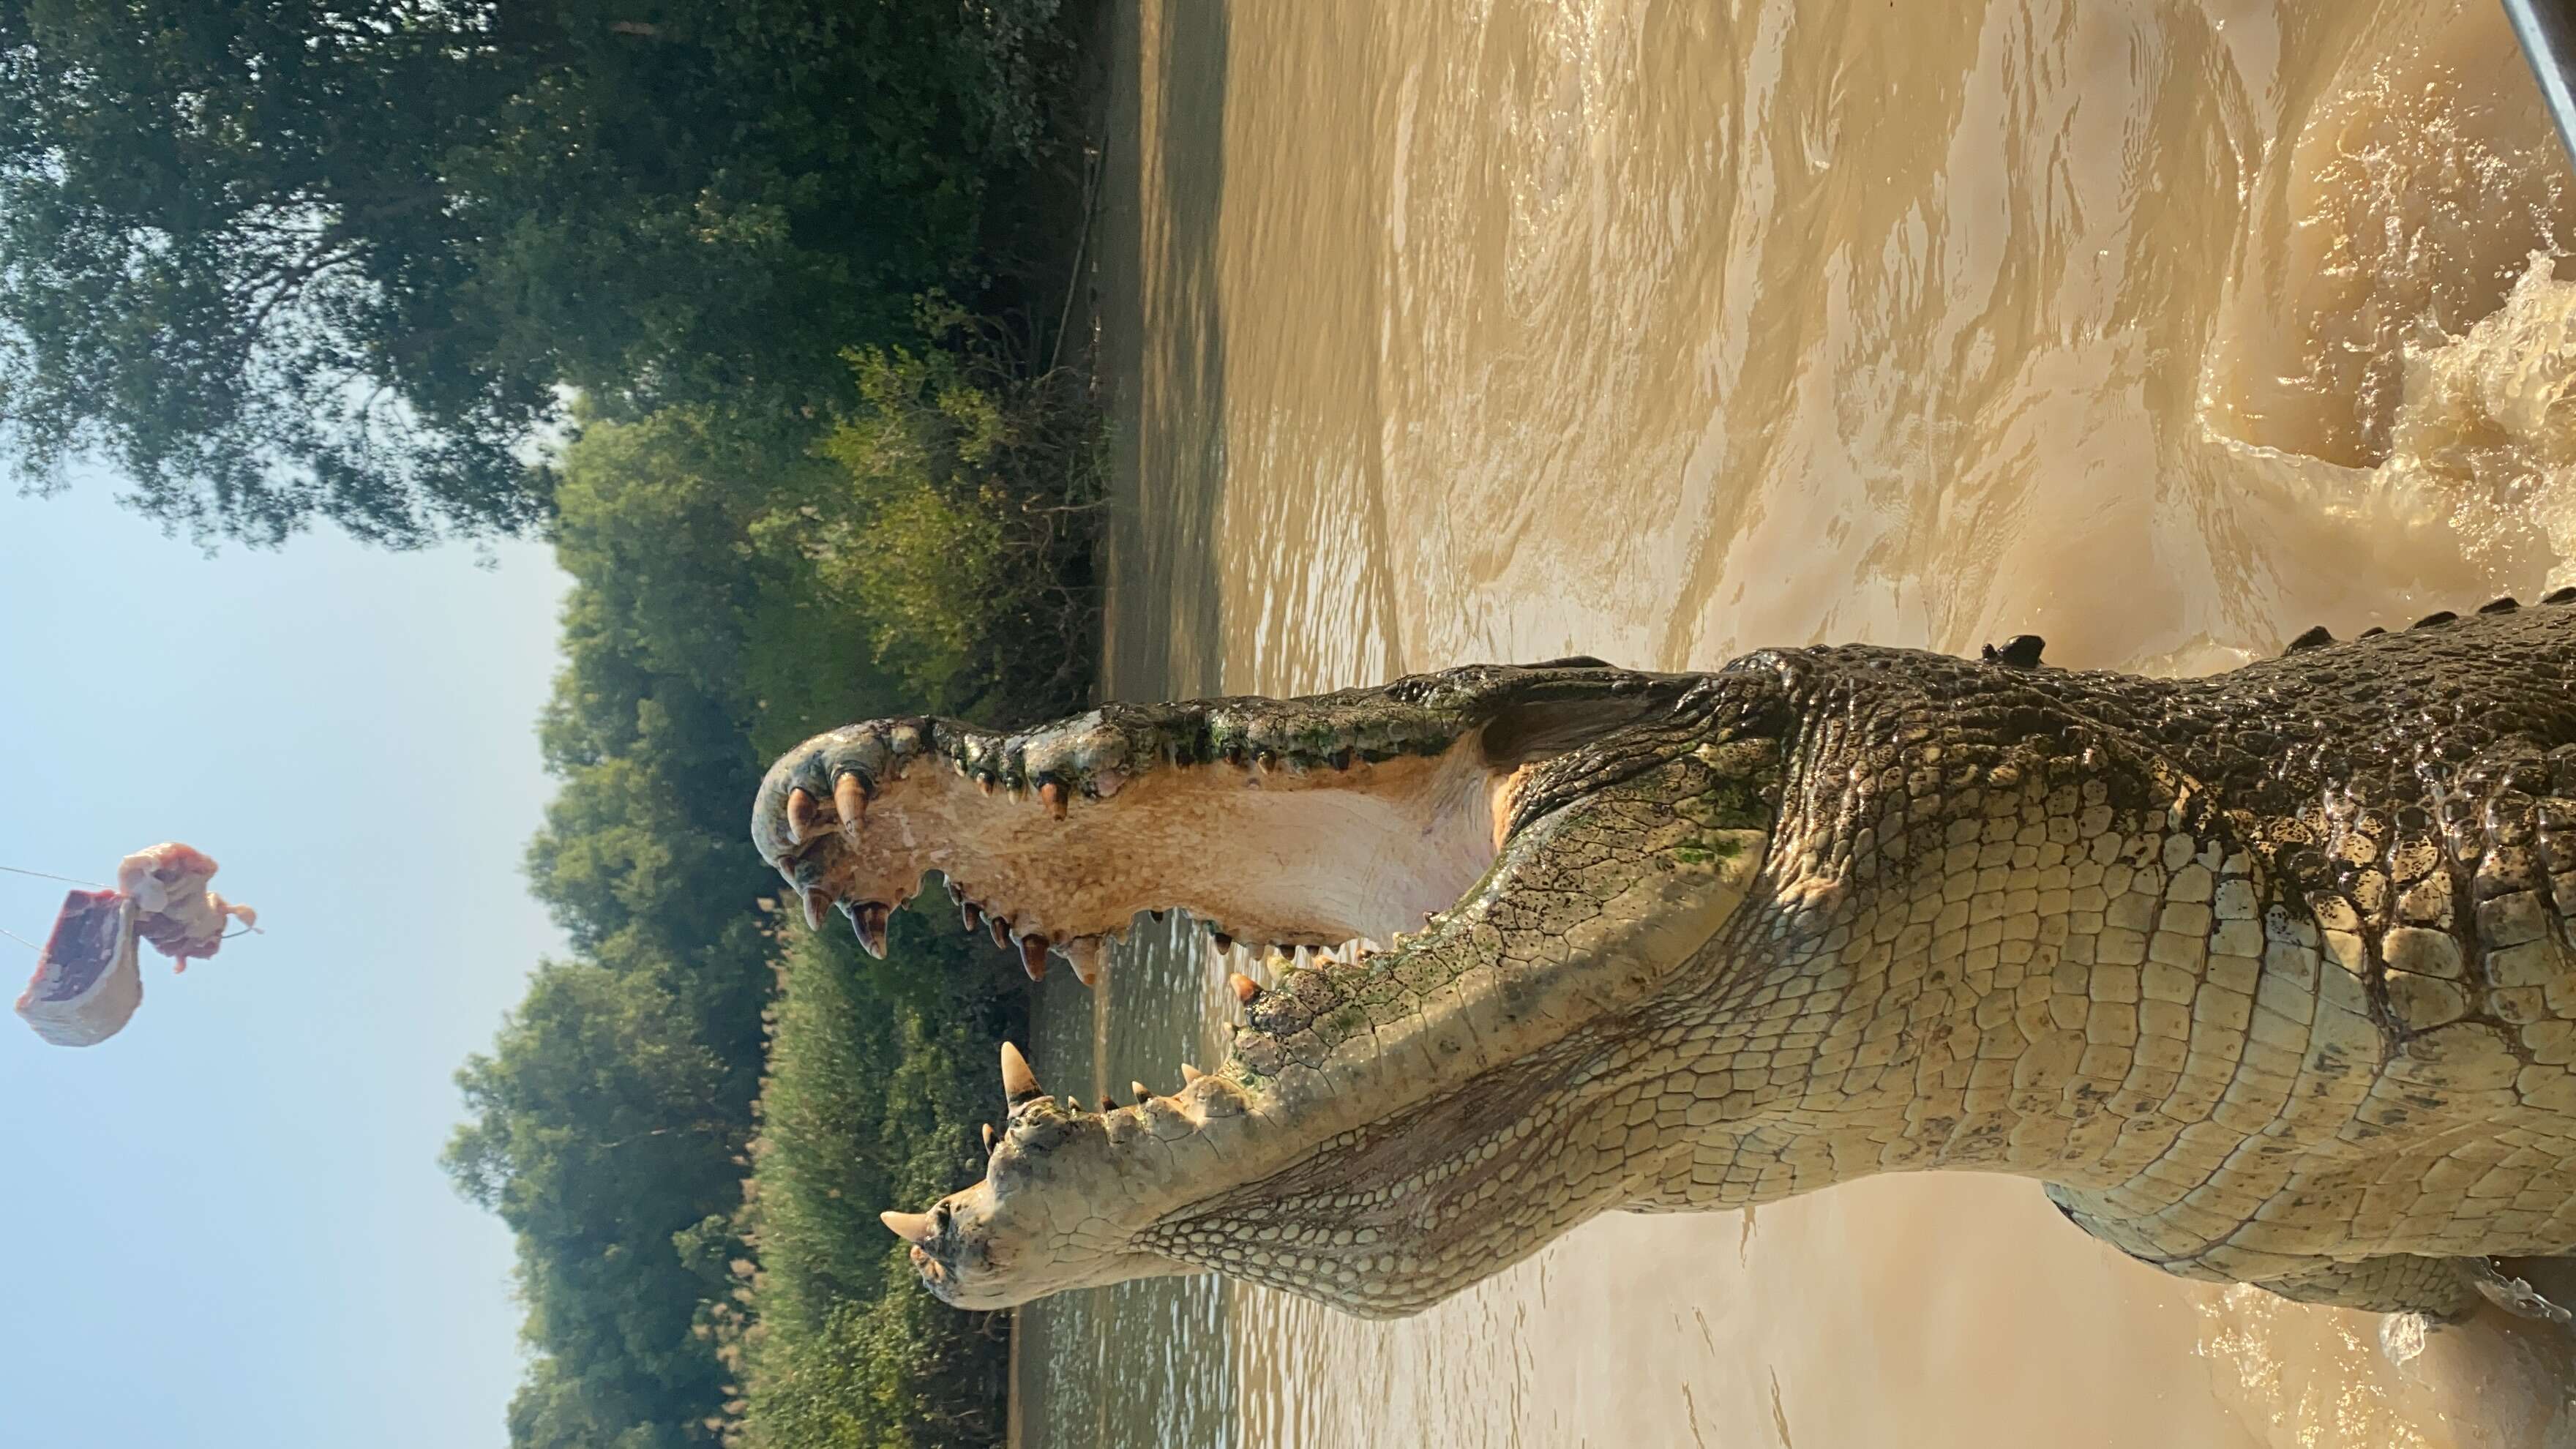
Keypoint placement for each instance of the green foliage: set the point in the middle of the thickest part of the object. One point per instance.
(286, 258)
(877, 1082)
(966, 530)
(655, 728)
(656, 735)
(598, 1132)
(716, 617)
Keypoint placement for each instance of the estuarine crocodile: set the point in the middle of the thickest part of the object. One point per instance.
(2266, 976)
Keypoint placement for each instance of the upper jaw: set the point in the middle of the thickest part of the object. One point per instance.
(845, 819)
(1057, 838)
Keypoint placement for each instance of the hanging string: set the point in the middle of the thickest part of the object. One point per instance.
(48, 875)
(42, 875)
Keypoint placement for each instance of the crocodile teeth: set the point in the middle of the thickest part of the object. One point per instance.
(988, 1136)
(815, 903)
(1033, 954)
(1190, 1074)
(914, 1228)
(974, 918)
(1245, 988)
(1142, 1096)
(1001, 932)
(850, 798)
(800, 814)
(869, 920)
(1019, 1084)
(1083, 953)
(1053, 796)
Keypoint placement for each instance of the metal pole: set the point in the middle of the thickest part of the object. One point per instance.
(2547, 30)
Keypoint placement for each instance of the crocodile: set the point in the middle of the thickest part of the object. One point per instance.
(2265, 976)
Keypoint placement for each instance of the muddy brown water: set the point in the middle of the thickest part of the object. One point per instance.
(1462, 331)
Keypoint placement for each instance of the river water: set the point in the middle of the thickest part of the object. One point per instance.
(1464, 331)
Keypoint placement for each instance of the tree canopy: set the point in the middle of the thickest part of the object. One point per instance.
(716, 617)
(280, 259)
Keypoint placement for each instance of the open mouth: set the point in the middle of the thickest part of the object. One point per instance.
(1279, 836)
(1521, 854)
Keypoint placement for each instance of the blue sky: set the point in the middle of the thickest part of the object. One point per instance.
(226, 1226)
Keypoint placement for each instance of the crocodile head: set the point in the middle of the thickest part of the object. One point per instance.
(1351, 1147)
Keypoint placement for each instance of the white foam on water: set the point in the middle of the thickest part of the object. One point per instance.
(2487, 427)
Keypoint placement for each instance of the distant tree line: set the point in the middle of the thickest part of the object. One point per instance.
(280, 260)
(731, 594)
(731, 302)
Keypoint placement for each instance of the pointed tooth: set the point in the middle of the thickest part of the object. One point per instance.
(816, 902)
(1108, 1105)
(974, 918)
(1190, 1074)
(869, 920)
(1052, 794)
(956, 894)
(1033, 954)
(1019, 1084)
(800, 814)
(1083, 954)
(851, 799)
(1073, 1104)
(1142, 1096)
(988, 1136)
(1245, 988)
(914, 1228)
(1001, 932)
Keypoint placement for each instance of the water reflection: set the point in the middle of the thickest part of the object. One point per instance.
(1153, 1362)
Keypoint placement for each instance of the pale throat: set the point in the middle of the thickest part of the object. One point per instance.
(1317, 856)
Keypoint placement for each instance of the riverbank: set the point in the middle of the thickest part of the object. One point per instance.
(691, 1123)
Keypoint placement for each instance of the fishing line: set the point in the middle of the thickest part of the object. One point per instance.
(41, 875)
(49, 875)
